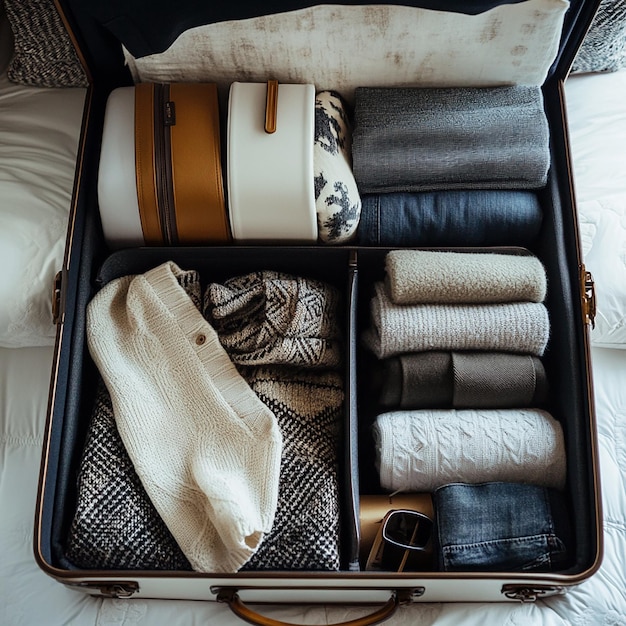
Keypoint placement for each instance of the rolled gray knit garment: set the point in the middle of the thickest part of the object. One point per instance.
(443, 380)
(520, 327)
(428, 139)
(424, 449)
(273, 318)
(416, 276)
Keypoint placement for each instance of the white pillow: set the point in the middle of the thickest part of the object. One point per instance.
(342, 47)
(39, 130)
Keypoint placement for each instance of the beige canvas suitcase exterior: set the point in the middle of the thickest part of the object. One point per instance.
(90, 264)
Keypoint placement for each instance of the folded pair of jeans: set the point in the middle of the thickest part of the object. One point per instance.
(450, 218)
(501, 526)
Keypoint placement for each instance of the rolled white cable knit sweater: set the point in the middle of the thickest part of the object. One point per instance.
(424, 449)
(206, 449)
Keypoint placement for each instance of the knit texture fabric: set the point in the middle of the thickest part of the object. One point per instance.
(604, 46)
(505, 327)
(442, 380)
(44, 55)
(337, 198)
(416, 276)
(425, 449)
(309, 407)
(115, 525)
(450, 218)
(308, 401)
(274, 318)
(206, 449)
(413, 139)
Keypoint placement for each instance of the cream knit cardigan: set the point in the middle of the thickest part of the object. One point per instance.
(206, 449)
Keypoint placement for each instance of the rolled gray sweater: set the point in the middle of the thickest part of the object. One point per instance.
(427, 139)
(522, 327)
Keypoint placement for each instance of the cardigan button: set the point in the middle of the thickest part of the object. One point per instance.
(200, 339)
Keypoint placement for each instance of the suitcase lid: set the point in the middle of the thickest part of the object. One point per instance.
(146, 27)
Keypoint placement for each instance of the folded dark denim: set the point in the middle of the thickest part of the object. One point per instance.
(430, 139)
(450, 218)
(501, 527)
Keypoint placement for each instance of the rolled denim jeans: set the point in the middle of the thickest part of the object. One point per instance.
(450, 218)
(500, 526)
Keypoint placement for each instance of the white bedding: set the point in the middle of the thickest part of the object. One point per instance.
(29, 597)
(39, 130)
(597, 123)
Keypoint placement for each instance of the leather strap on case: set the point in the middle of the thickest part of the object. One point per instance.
(239, 608)
(196, 165)
(178, 162)
(145, 164)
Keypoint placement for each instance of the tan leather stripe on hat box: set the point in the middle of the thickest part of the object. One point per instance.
(145, 165)
(196, 165)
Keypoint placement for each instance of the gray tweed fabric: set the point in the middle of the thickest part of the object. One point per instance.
(44, 54)
(308, 405)
(274, 318)
(115, 525)
(604, 46)
(413, 139)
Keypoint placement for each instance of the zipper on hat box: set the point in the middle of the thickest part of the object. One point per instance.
(164, 119)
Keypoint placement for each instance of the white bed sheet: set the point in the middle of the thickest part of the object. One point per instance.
(28, 597)
(597, 124)
(39, 132)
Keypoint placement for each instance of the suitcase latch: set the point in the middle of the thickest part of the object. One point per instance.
(588, 290)
(108, 589)
(57, 293)
(531, 594)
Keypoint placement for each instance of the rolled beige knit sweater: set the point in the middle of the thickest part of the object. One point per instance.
(422, 276)
(521, 327)
(205, 448)
(424, 449)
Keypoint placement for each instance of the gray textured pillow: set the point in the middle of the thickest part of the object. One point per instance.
(604, 47)
(43, 53)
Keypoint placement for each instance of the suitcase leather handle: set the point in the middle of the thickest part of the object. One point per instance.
(239, 608)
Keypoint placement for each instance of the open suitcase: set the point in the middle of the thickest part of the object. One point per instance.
(353, 271)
